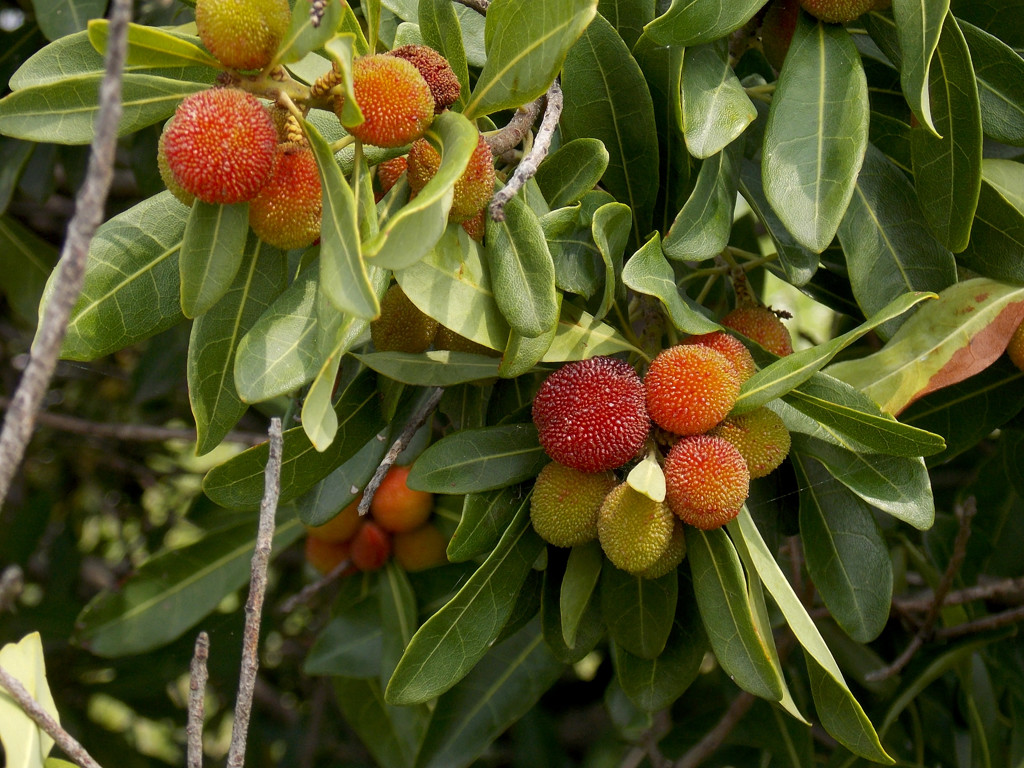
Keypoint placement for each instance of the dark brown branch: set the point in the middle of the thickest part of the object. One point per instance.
(527, 168)
(1006, 590)
(28, 397)
(714, 738)
(254, 603)
(480, 6)
(995, 621)
(416, 421)
(965, 513)
(45, 720)
(513, 133)
(197, 700)
(141, 433)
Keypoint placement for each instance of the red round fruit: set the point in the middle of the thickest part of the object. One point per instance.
(325, 556)
(371, 547)
(444, 85)
(590, 414)
(706, 481)
(286, 213)
(690, 388)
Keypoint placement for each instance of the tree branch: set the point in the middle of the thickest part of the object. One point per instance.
(995, 621)
(196, 700)
(28, 397)
(1005, 590)
(713, 739)
(480, 6)
(514, 131)
(254, 604)
(309, 590)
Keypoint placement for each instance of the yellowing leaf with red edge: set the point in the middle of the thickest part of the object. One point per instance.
(945, 342)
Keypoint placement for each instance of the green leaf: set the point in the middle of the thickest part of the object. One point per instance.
(328, 497)
(173, 590)
(522, 272)
(654, 684)
(576, 595)
(475, 460)
(436, 368)
(897, 485)
(648, 478)
(817, 132)
(606, 98)
(856, 421)
(343, 275)
(715, 108)
(455, 638)
(58, 18)
(499, 690)
(610, 228)
(25, 743)
(1000, 73)
(26, 261)
(588, 630)
(152, 47)
(238, 483)
(637, 611)
(398, 617)
(945, 341)
(571, 171)
(64, 112)
(997, 235)
(132, 268)
(523, 353)
(791, 371)
(701, 229)
(889, 249)
(727, 614)
(845, 553)
(409, 235)
(919, 25)
(580, 335)
(526, 41)
(648, 272)
(302, 37)
(947, 170)
(689, 22)
(485, 516)
(350, 644)
(845, 719)
(280, 352)
(439, 25)
(211, 253)
(392, 735)
(215, 338)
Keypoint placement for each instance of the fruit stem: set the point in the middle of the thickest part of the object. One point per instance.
(708, 284)
(627, 330)
(343, 142)
(761, 92)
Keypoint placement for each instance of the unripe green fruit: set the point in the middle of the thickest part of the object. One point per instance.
(242, 34)
(402, 326)
(565, 502)
(837, 11)
(706, 481)
(763, 326)
(444, 85)
(761, 438)
(475, 186)
(633, 529)
(671, 557)
(449, 340)
(1015, 349)
(394, 98)
(286, 213)
(221, 145)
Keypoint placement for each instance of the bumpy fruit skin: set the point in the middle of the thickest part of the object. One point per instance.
(402, 326)
(172, 184)
(420, 549)
(763, 326)
(370, 547)
(444, 85)
(389, 172)
(706, 481)
(590, 414)
(1015, 349)
(476, 227)
(221, 145)
(287, 211)
(634, 530)
(761, 438)
(242, 34)
(341, 527)
(690, 388)
(837, 11)
(475, 186)
(565, 502)
(325, 556)
(731, 347)
(671, 557)
(777, 30)
(449, 340)
(396, 507)
(394, 98)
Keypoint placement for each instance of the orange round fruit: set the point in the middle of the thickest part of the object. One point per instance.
(420, 549)
(389, 172)
(763, 326)
(731, 347)
(341, 527)
(706, 481)
(221, 145)
(370, 547)
(475, 186)
(286, 213)
(1015, 349)
(325, 556)
(444, 85)
(394, 98)
(242, 35)
(398, 508)
(690, 388)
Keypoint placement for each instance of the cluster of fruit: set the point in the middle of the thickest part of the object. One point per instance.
(595, 416)
(398, 525)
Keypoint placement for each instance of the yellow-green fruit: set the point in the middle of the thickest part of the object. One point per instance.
(448, 339)
(242, 34)
(760, 436)
(286, 213)
(394, 98)
(634, 530)
(671, 557)
(172, 184)
(837, 11)
(564, 504)
(1015, 349)
(475, 186)
(763, 326)
(401, 327)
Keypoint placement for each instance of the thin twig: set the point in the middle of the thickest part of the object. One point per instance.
(72, 748)
(1005, 590)
(140, 433)
(527, 168)
(714, 738)
(416, 421)
(480, 6)
(309, 590)
(254, 604)
(28, 397)
(995, 621)
(514, 131)
(12, 582)
(197, 700)
(965, 513)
